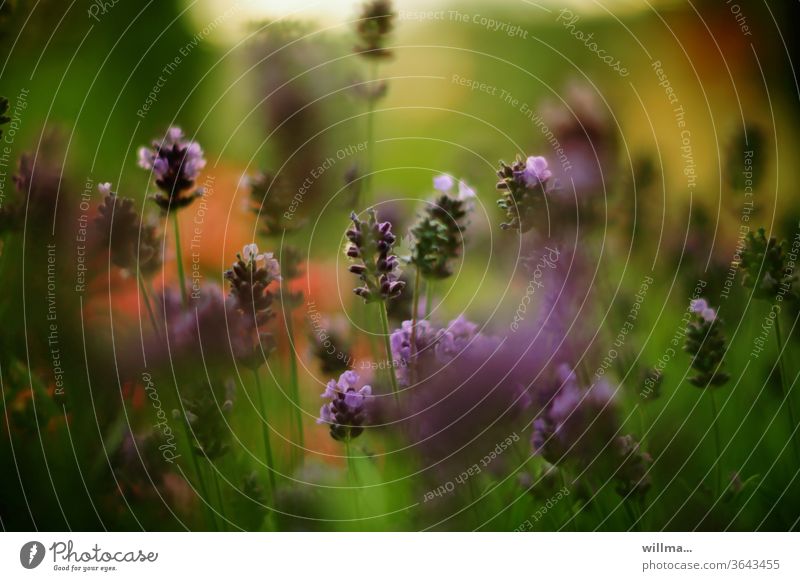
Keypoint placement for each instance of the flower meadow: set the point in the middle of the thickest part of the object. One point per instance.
(416, 270)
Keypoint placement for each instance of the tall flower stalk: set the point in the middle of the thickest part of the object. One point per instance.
(175, 164)
(373, 28)
(345, 415)
(132, 245)
(438, 240)
(370, 248)
(271, 196)
(706, 344)
(291, 261)
(772, 278)
(207, 431)
(250, 277)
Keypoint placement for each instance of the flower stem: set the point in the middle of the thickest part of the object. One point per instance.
(718, 459)
(219, 500)
(352, 477)
(265, 434)
(146, 299)
(388, 346)
(200, 480)
(370, 131)
(784, 390)
(428, 298)
(179, 257)
(295, 386)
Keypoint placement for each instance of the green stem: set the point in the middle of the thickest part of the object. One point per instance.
(179, 257)
(370, 132)
(388, 346)
(219, 500)
(631, 514)
(200, 480)
(352, 478)
(570, 506)
(717, 445)
(265, 434)
(146, 298)
(785, 391)
(428, 298)
(295, 385)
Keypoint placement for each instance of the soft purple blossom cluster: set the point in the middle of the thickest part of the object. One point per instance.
(701, 308)
(175, 164)
(345, 413)
(574, 423)
(432, 345)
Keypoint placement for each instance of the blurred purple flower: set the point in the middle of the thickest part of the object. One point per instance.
(536, 171)
(444, 183)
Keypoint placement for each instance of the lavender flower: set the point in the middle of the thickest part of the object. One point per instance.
(455, 338)
(175, 164)
(438, 237)
(461, 409)
(575, 425)
(765, 268)
(271, 198)
(291, 269)
(353, 184)
(536, 171)
(632, 475)
(206, 414)
(407, 357)
(211, 327)
(588, 139)
(132, 245)
(523, 184)
(250, 277)
(444, 183)
(346, 412)
(434, 347)
(251, 300)
(139, 463)
(705, 342)
(375, 24)
(38, 181)
(371, 244)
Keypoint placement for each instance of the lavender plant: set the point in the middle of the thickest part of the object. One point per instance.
(175, 164)
(271, 199)
(523, 185)
(373, 28)
(250, 279)
(438, 239)
(204, 417)
(132, 245)
(706, 344)
(767, 270)
(345, 413)
(370, 248)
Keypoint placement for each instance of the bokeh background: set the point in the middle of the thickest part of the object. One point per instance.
(276, 85)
